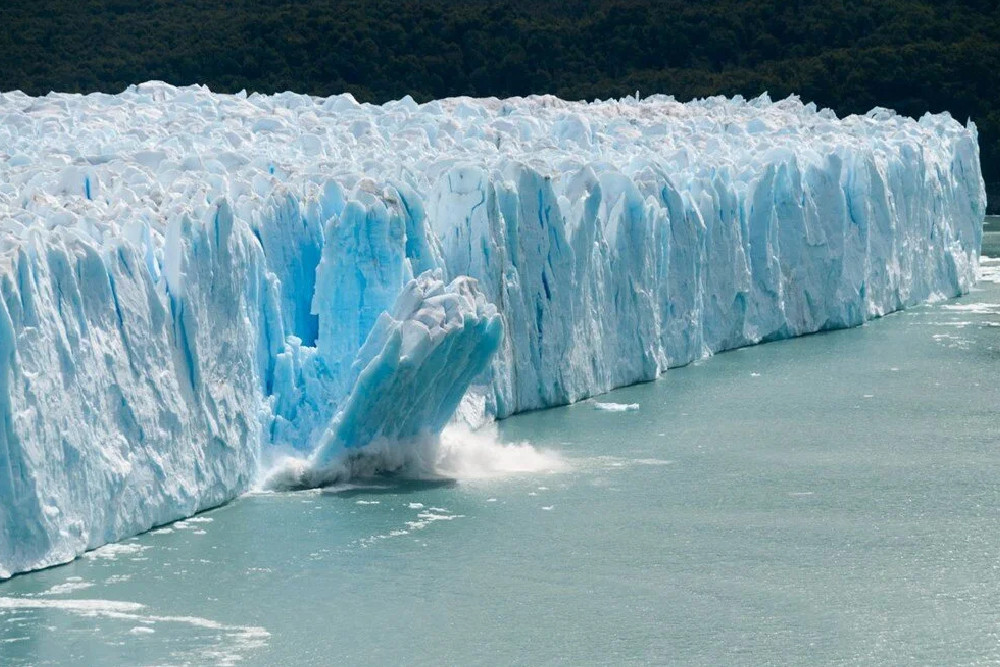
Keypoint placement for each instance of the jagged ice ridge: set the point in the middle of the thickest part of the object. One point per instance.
(195, 286)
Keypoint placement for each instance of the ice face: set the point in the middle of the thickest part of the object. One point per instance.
(128, 400)
(191, 281)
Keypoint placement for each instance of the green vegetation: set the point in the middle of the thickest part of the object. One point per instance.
(851, 55)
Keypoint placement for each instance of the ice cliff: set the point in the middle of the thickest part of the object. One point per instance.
(193, 283)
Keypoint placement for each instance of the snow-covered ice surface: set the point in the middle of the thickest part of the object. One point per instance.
(193, 284)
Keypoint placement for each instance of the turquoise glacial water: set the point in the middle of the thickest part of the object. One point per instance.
(826, 500)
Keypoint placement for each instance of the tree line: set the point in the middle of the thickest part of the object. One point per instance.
(850, 55)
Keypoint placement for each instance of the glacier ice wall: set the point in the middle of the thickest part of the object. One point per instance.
(193, 281)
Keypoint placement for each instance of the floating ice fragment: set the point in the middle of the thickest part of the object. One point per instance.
(113, 551)
(68, 587)
(616, 407)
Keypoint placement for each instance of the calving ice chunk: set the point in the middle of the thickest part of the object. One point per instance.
(197, 285)
(412, 371)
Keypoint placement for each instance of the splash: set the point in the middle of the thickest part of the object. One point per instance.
(465, 454)
(459, 453)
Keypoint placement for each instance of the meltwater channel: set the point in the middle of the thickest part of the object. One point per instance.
(829, 499)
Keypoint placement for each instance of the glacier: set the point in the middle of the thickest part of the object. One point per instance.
(205, 293)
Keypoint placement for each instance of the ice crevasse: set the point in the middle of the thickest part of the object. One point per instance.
(192, 282)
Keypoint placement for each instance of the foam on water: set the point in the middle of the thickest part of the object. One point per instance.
(233, 641)
(975, 308)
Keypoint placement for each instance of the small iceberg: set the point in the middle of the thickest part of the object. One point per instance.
(617, 407)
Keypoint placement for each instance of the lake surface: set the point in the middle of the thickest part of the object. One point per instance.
(827, 500)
